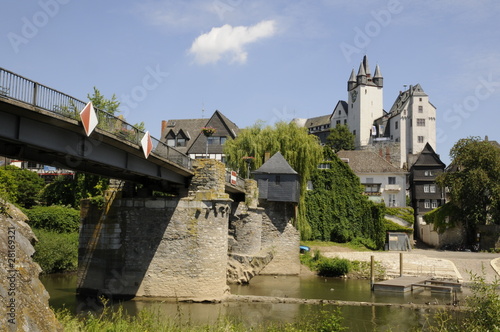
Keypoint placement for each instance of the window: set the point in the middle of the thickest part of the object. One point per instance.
(427, 204)
(428, 173)
(434, 204)
(420, 139)
(420, 109)
(392, 180)
(324, 166)
(396, 125)
(392, 200)
(278, 179)
(420, 122)
(171, 141)
(432, 188)
(420, 99)
(354, 132)
(345, 121)
(340, 112)
(181, 141)
(372, 188)
(426, 188)
(216, 140)
(338, 122)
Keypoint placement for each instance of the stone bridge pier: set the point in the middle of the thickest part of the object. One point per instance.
(162, 247)
(187, 248)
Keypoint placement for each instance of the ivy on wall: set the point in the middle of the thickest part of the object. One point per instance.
(336, 209)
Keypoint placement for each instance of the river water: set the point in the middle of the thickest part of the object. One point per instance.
(362, 318)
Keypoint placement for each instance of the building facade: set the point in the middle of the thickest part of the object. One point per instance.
(425, 194)
(187, 137)
(382, 181)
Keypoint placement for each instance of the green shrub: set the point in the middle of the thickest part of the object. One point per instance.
(54, 218)
(333, 267)
(405, 213)
(56, 252)
(391, 226)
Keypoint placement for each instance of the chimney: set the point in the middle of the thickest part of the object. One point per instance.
(388, 154)
(267, 155)
(163, 127)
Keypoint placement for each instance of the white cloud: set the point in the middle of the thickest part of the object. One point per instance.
(229, 42)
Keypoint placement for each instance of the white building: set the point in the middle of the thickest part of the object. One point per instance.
(411, 121)
(382, 181)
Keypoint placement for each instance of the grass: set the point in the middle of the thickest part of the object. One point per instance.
(355, 245)
(146, 320)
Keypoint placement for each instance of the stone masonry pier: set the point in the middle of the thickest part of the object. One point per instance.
(177, 247)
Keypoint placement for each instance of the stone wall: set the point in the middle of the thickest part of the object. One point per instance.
(161, 247)
(24, 300)
(155, 247)
(279, 234)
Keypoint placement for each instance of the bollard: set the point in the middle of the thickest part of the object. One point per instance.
(372, 271)
(400, 264)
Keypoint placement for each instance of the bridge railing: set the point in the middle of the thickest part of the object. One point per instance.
(19, 88)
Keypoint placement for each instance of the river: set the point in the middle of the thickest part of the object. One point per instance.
(363, 318)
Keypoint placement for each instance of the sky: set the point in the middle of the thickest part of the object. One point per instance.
(261, 60)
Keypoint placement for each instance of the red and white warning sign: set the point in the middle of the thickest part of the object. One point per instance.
(89, 118)
(147, 144)
(233, 177)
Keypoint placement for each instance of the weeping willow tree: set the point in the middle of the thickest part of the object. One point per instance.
(302, 151)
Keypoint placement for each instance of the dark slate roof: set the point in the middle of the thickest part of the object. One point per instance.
(275, 165)
(343, 104)
(364, 161)
(318, 121)
(428, 157)
(192, 129)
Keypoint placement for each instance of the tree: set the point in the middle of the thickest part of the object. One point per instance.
(27, 185)
(340, 138)
(107, 105)
(69, 191)
(302, 151)
(473, 184)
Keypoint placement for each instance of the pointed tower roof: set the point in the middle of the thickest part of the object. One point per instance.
(377, 74)
(353, 77)
(276, 165)
(367, 67)
(361, 71)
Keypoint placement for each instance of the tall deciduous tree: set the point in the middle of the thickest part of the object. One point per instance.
(340, 138)
(302, 151)
(474, 183)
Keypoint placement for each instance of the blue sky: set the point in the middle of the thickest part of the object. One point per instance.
(261, 60)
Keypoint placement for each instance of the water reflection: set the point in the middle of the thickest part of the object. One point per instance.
(62, 291)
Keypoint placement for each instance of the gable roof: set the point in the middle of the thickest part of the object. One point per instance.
(364, 161)
(428, 157)
(318, 121)
(343, 106)
(191, 128)
(275, 165)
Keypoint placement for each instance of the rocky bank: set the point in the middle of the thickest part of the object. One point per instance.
(24, 300)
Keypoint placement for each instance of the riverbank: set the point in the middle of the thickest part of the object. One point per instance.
(428, 262)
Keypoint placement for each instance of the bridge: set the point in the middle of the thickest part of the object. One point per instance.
(41, 124)
(185, 246)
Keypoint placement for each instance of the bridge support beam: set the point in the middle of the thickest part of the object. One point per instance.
(159, 247)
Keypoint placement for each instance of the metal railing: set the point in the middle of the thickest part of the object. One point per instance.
(16, 87)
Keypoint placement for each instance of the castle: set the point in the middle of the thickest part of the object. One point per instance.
(399, 134)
